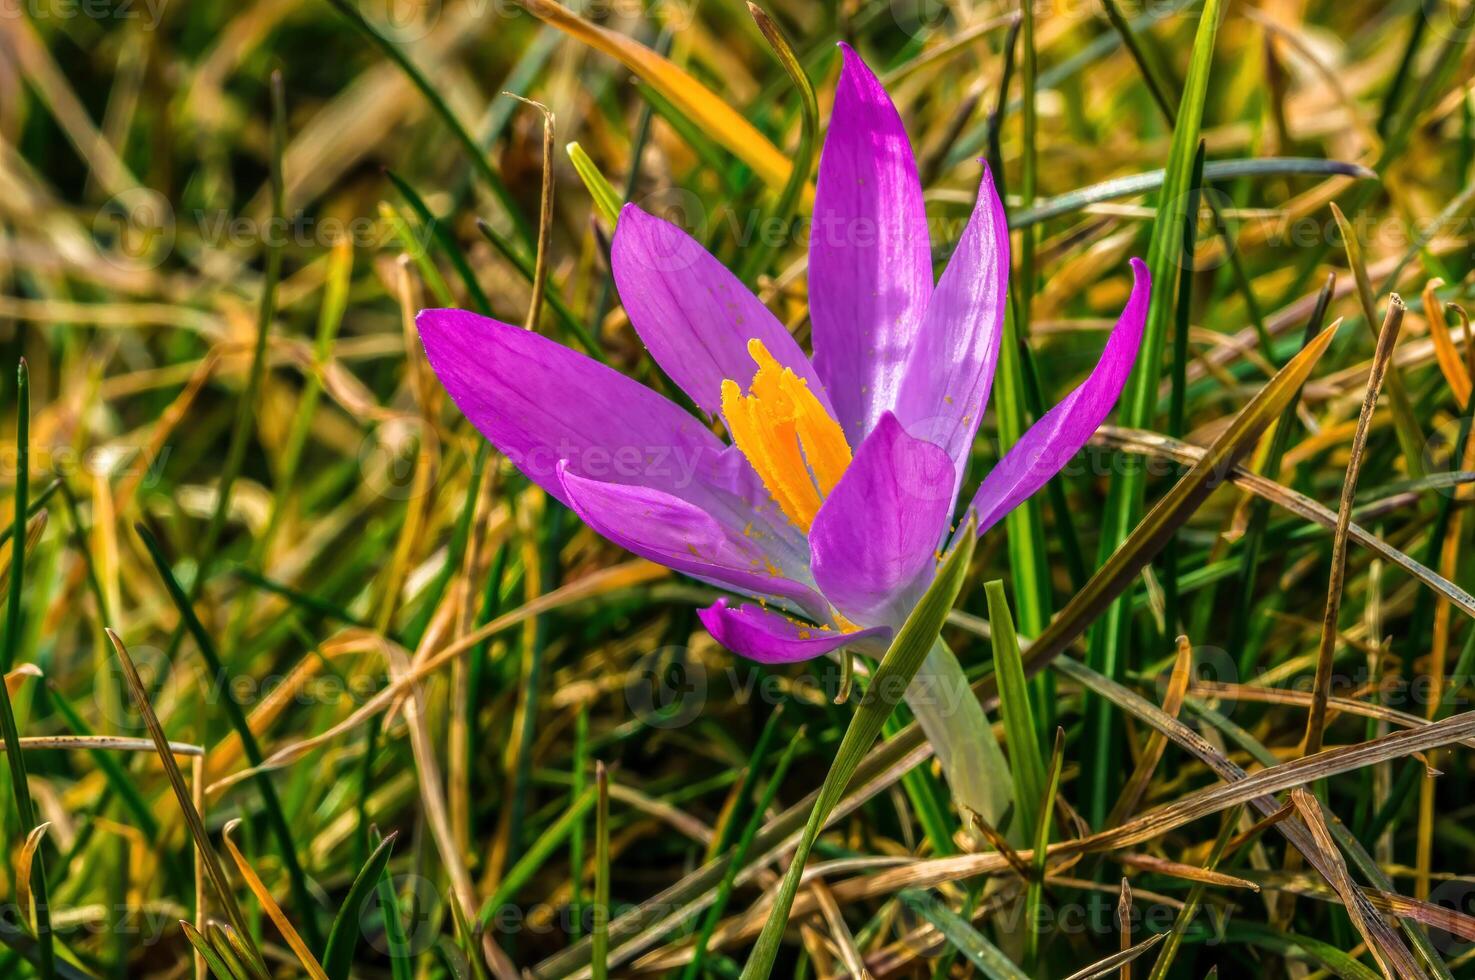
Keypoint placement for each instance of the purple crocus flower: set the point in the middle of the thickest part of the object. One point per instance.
(835, 494)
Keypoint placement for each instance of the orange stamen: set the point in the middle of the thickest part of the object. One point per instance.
(797, 448)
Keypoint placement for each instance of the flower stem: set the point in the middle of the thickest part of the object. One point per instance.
(943, 703)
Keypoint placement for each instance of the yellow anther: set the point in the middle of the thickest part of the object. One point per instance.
(798, 450)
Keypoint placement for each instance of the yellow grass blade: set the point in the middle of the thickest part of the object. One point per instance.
(715, 117)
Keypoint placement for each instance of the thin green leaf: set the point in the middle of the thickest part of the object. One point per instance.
(1034, 896)
(603, 193)
(532, 859)
(474, 152)
(599, 964)
(1026, 762)
(1151, 180)
(19, 782)
(976, 949)
(1139, 398)
(347, 924)
(305, 906)
(192, 818)
(213, 960)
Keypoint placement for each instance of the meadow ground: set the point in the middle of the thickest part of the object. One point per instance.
(426, 723)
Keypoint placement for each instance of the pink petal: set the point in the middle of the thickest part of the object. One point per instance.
(945, 388)
(1061, 432)
(679, 535)
(772, 638)
(542, 404)
(875, 539)
(695, 316)
(870, 260)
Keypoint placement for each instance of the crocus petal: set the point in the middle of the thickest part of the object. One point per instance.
(694, 316)
(541, 403)
(944, 390)
(875, 539)
(1061, 432)
(667, 530)
(870, 261)
(772, 638)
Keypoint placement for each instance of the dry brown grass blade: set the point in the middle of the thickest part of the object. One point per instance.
(1341, 879)
(192, 816)
(997, 842)
(715, 117)
(1160, 523)
(1405, 419)
(1150, 443)
(202, 908)
(1124, 925)
(1266, 804)
(17, 678)
(1117, 960)
(1452, 921)
(1157, 742)
(432, 795)
(271, 908)
(117, 743)
(1275, 779)
(1188, 872)
(1387, 339)
(35, 527)
(839, 931)
(623, 576)
(1302, 699)
(1451, 365)
(1257, 789)
(545, 214)
(637, 929)
(23, 872)
(641, 927)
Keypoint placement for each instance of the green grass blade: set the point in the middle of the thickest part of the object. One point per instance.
(756, 256)
(1118, 572)
(218, 966)
(536, 854)
(193, 820)
(739, 857)
(442, 236)
(601, 191)
(1189, 911)
(599, 964)
(1151, 180)
(414, 247)
(524, 265)
(1139, 399)
(19, 781)
(976, 949)
(474, 152)
(1290, 945)
(347, 924)
(401, 957)
(1026, 764)
(305, 907)
(1035, 894)
(1405, 419)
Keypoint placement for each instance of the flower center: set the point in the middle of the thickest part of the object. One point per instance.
(798, 450)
